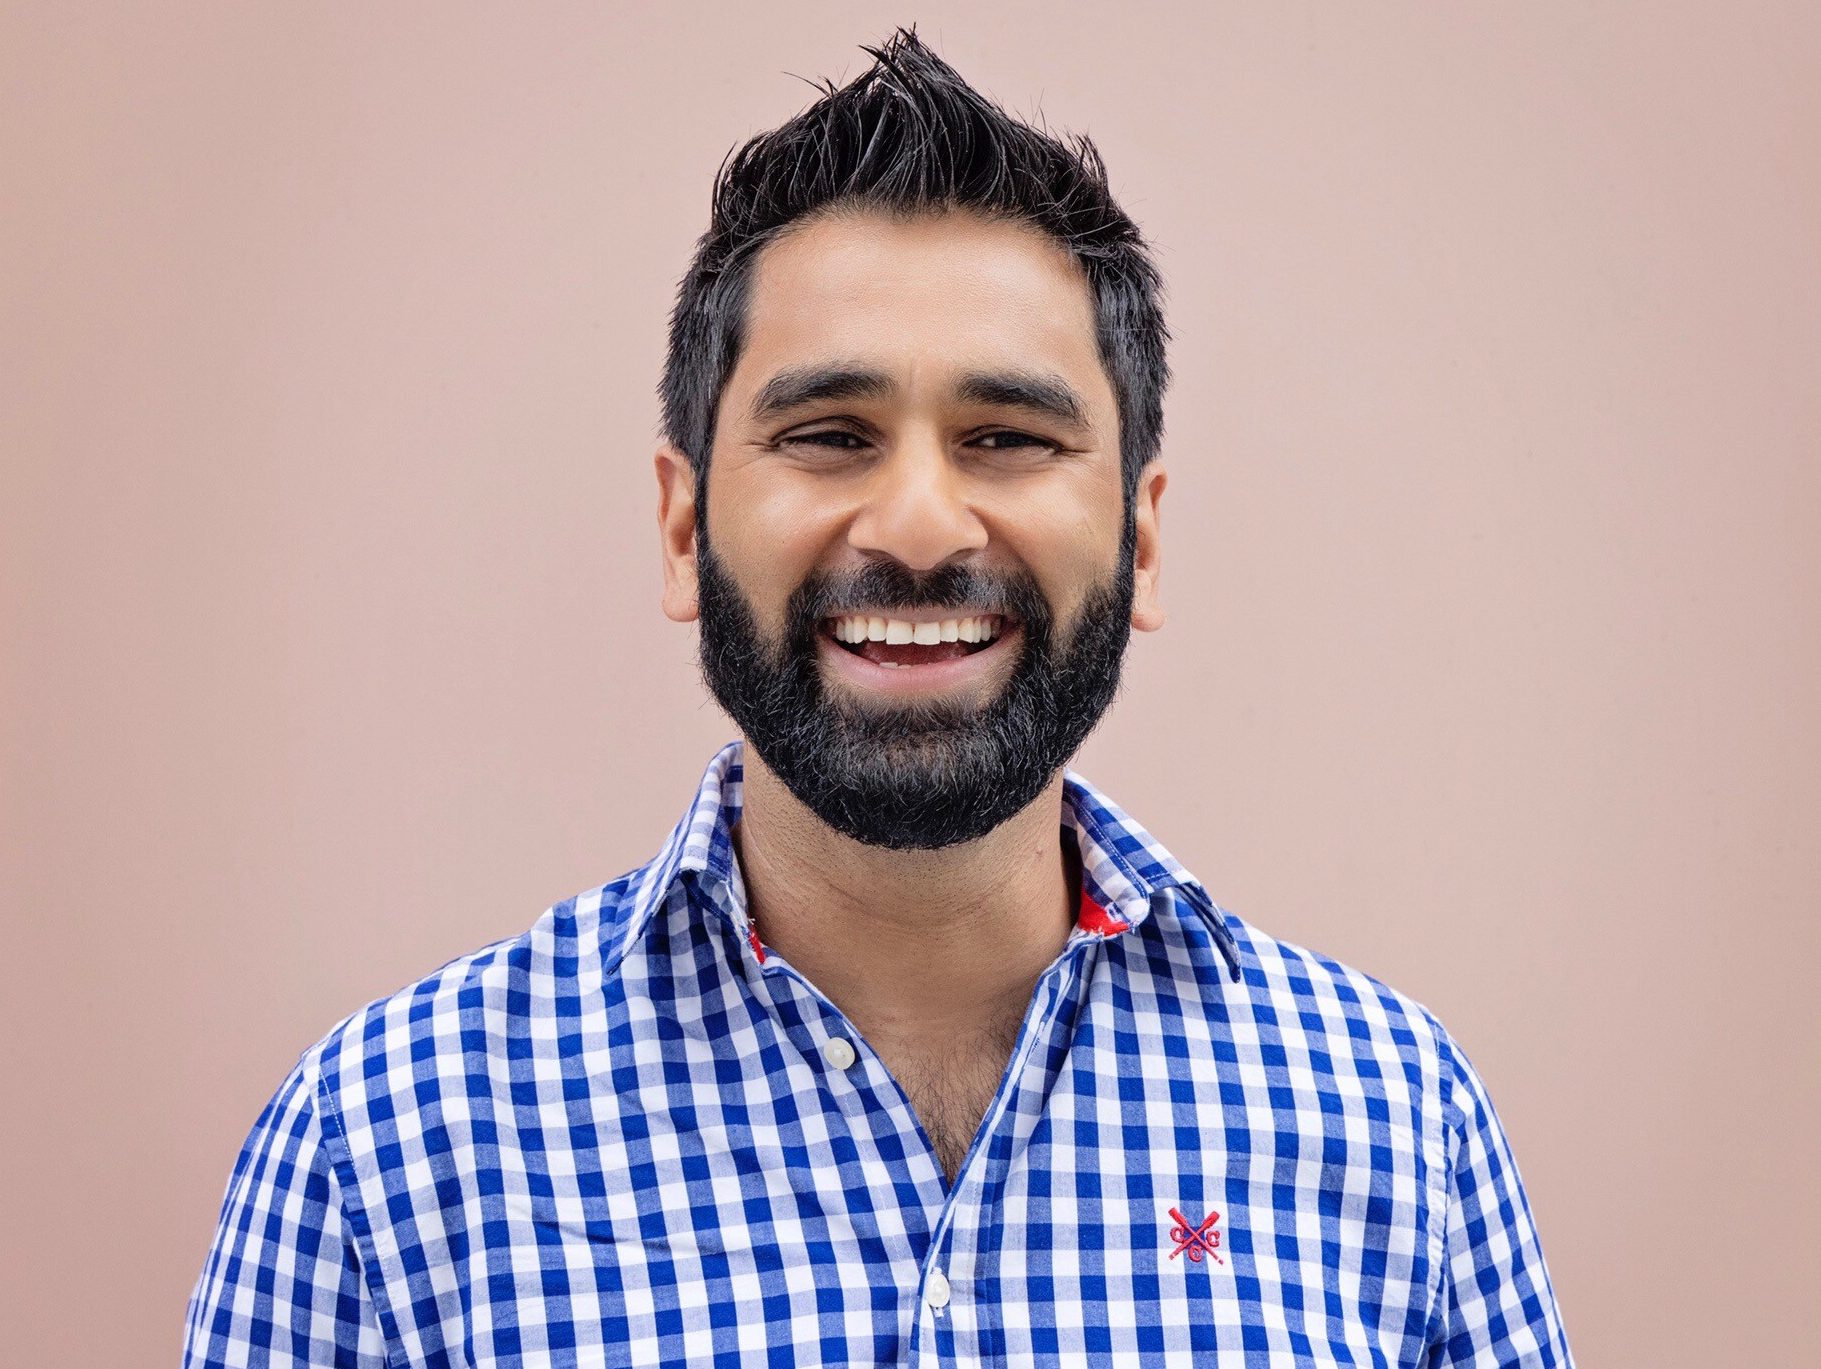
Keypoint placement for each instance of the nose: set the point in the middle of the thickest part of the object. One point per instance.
(916, 508)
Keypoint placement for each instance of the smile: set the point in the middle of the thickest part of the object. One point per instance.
(908, 655)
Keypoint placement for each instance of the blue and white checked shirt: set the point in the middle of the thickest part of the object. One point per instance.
(625, 1138)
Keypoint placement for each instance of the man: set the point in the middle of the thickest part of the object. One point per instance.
(909, 1047)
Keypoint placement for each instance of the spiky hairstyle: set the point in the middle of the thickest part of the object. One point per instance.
(910, 135)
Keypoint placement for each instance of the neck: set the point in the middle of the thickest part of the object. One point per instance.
(909, 944)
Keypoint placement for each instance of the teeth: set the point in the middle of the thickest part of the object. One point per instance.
(860, 627)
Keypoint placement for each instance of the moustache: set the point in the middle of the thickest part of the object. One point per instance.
(881, 586)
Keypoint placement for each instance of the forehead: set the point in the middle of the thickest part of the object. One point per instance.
(921, 298)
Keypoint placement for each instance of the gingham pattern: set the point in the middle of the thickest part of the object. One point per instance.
(618, 1139)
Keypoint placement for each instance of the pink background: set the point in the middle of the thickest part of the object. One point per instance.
(330, 647)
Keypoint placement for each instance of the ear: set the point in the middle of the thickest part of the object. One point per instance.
(1147, 608)
(677, 532)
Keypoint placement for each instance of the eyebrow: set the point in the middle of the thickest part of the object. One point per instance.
(1049, 395)
(800, 385)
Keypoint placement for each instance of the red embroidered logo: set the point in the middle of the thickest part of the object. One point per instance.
(1197, 1240)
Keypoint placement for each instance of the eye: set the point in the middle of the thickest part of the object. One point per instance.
(1015, 448)
(832, 438)
(1005, 440)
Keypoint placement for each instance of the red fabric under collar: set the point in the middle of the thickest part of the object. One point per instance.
(1091, 918)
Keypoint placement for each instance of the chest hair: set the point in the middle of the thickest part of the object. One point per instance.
(952, 1083)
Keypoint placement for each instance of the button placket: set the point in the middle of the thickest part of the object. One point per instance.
(938, 1293)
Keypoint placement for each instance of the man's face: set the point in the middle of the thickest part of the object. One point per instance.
(918, 440)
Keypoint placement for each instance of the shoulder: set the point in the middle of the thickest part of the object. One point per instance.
(1346, 1011)
(1283, 977)
(1328, 1018)
(472, 1015)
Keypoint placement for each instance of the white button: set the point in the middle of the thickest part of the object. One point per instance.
(838, 1052)
(935, 1289)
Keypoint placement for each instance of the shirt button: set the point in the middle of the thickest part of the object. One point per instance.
(935, 1289)
(838, 1052)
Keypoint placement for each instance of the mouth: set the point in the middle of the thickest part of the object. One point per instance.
(899, 655)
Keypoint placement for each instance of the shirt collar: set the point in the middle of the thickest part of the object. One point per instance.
(1124, 870)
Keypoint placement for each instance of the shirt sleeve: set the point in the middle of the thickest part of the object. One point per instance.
(1496, 1306)
(282, 1285)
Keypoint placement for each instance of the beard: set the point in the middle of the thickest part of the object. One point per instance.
(921, 774)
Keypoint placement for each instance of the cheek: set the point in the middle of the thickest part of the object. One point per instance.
(1070, 553)
(769, 538)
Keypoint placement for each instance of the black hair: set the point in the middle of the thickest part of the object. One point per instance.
(910, 135)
